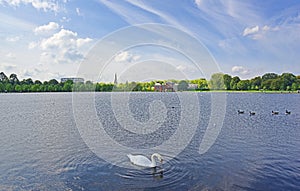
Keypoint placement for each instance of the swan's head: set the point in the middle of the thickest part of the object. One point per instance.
(159, 157)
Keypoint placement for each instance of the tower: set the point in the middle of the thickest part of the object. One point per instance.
(115, 80)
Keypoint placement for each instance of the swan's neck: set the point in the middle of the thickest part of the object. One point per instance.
(153, 162)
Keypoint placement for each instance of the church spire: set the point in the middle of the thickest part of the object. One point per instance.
(115, 80)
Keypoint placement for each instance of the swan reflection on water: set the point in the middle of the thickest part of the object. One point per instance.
(157, 172)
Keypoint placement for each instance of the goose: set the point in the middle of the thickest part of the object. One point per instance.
(287, 112)
(251, 113)
(275, 112)
(241, 112)
(143, 161)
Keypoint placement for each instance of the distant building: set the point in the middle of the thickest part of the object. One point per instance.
(158, 87)
(74, 80)
(168, 87)
(193, 86)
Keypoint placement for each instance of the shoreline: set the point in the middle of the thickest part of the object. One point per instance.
(194, 91)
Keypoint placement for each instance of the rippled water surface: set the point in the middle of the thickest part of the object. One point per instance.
(41, 147)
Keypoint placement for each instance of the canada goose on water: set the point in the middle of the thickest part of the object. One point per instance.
(275, 112)
(241, 112)
(251, 113)
(287, 112)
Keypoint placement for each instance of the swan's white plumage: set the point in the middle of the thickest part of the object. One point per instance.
(143, 161)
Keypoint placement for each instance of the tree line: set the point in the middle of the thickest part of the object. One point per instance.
(269, 81)
(13, 84)
(218, 81)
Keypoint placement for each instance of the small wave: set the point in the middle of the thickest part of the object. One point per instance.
(165, 175)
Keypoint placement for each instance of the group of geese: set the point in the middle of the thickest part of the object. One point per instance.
(143, 161)
(273, 112)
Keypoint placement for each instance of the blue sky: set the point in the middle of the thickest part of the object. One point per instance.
(45, 39)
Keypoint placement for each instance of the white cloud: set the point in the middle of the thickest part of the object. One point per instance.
(13, 39)
(63, 47)
(250, 31)
(7, 67)
(11, 55)
(181, 67)
(198, 2)
(78, 12)
(259, 32)
(65, 19)
(126, 57)
(40, 73)
(45, 5)
(28, 73)
(240, 70)
(32, 45)
(266, 28)
(45, 29)
(123, 56)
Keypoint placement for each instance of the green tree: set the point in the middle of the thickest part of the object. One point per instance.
(233, 83)
(243, 85)
(287, 79)
(25, 88)
(269, 76)
(3, 77)
(53, 82)
(67, 87)
(35, 88)
(89, 86)
(13, 79)
(202, 83)
(183, 85)
(256, 83)
(227, 79)
(137, 87)
(18, 88)
(217, 82)
(38, 82)
(295, 86)
(9, 87)
(275, 84)
(27, 81)
(2, 88)
(58, 88)
(266, 84)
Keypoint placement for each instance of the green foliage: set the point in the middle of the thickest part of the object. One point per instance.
(2, 88)
(38, 82)
(183, 85)
(269, 76)
(18, 88)
(233, 83)
(202, 83)
(218, 81)
(256, 83)
(3, 78)
(53, 82)
(227, 79)
(243, 85)
(13, 79)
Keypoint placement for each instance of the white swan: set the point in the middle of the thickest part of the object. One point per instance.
(143, 161)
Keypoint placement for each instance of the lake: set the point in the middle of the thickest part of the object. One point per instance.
(42, 148)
